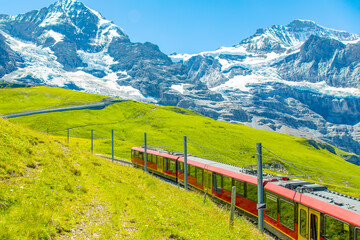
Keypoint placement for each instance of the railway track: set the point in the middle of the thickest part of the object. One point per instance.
(120, 161)
(130, 164)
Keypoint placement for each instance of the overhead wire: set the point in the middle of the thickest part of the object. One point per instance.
(284, 160)
(198, 145)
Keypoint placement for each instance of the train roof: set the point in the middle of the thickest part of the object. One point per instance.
(341, 206)
(240, 173)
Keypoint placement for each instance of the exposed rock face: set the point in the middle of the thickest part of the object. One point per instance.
(151, 71)
(323, 59)
(205, 69)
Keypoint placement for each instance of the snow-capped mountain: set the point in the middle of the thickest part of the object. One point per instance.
(300, 79)
(286, 38)
(70, 45)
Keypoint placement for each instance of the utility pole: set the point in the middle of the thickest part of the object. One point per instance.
(185, 164)
(112, 144)
(261, 206)
(92, 141)
(145, 158)
(232, 209)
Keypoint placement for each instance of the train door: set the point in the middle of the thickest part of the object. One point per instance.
(314, 221)
(303, 223)
(160, 162)
(208, 181)
(309, 224)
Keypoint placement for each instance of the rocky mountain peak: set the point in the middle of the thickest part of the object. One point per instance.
(279, 38)
(67, 4)
(302, 25)
(75, 11)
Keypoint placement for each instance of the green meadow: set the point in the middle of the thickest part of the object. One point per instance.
(220, 141)
(15, 100)
(51, 190)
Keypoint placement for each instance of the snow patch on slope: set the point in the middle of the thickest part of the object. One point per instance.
(32, 54)
(41, 66)
(58, 37)
(179, 88)
(245, 83)
(97, 61)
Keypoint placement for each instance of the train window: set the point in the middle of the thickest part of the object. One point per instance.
(167, 167)
(160, 160)
(149, 157)
(357, 234)
(172, 167)
(217, 182)
(227, 183)
(251, 192)
(240, 187)
(191, 170)
(335, 229)
(303, 223)
(199, 176)
(132, 153)
(140, 155)
(271, 206)
(181, 166)
(287, 214)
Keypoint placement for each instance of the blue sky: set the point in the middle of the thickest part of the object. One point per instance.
(192, 26)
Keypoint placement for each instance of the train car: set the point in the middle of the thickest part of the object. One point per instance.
(296, 209)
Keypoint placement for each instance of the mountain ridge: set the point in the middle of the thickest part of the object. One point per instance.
(272, 80)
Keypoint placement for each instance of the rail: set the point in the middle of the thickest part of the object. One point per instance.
(122, 162)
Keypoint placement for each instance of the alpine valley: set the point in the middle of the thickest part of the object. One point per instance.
(301, 79)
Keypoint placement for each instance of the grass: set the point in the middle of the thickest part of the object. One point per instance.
(221, 141)
(50, 190)
(33, 98)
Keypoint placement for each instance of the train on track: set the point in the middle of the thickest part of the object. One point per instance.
(296, 209)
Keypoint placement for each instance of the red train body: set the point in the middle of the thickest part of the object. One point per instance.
(295, 209)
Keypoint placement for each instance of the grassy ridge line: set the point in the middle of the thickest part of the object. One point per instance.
(49, 190)
(225, 142)
(16, 100)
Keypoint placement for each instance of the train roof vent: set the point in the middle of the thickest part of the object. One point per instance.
(339, 203)
(312, 188)
(294, 184)
(177, 154)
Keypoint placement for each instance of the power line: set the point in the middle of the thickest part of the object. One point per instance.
(284, 160)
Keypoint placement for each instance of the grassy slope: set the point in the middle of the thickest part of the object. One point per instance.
(166, 126)
(51, 190)
(33, 98)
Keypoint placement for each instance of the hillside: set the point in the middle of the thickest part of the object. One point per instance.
(34, 98)
(221, 141)
(49, 190)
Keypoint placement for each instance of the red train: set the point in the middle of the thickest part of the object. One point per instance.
(295, 209)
